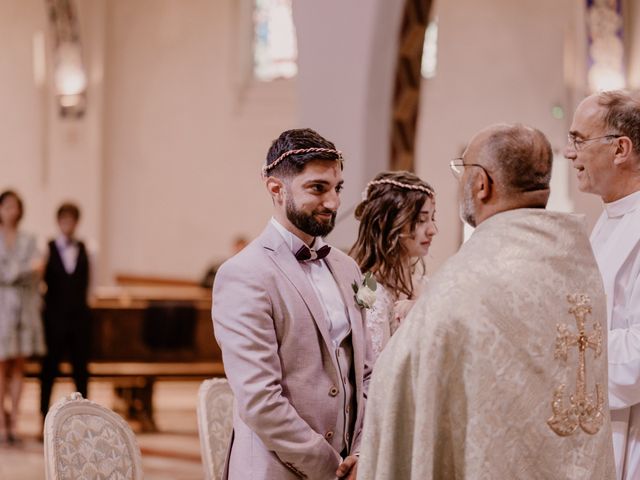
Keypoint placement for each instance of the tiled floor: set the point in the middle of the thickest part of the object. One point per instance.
(171, 454)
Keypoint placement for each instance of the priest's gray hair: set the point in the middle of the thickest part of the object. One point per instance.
(521, 156)
(622, 114)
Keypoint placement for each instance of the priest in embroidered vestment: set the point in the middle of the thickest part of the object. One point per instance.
(500, 370)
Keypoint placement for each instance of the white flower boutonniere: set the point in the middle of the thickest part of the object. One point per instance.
(365, 293)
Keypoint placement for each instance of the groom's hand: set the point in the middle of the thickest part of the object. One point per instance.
(348, 468)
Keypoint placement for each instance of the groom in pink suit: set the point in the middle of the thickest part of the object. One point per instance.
(293, 338)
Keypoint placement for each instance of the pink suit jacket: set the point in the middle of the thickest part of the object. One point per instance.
(279, 360)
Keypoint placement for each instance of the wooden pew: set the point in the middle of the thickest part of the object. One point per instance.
(141, 334)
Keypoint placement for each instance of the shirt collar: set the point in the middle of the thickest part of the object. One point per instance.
(293, 241)
(623, 206)
(64, 242)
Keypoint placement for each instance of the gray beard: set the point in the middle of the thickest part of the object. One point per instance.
(466, 209)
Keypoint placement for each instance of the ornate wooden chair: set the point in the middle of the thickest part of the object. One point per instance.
(215, 424)
(85, 440)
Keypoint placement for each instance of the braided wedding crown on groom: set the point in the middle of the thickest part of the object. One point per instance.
(290, 152)
(300, 151)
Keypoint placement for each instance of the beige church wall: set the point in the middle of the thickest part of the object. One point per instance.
(347, 54)
(21, 133)
(45, 158)
(186, 132)
(165, 163)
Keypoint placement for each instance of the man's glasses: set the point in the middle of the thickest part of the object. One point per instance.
(457, 168)
(581, 143)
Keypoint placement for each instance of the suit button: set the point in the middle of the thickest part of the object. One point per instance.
(333, 391)
(328, 435)
(347, 409)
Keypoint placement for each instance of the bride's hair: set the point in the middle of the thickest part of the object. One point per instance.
(391, 201)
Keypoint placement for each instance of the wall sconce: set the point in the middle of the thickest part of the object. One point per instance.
(70, 79)
(69, 75)
(606, 45)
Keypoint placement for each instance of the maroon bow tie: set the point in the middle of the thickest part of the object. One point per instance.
(304, 253)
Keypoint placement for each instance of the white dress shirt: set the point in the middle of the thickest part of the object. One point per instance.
(323, 284)
(68, 250)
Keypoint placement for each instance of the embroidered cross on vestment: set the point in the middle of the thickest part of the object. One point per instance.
(583, 410)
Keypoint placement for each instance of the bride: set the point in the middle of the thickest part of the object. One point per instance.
(397, 225)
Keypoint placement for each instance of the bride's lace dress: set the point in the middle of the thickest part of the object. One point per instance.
(381, 322)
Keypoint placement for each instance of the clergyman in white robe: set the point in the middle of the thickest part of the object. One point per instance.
(604, 149)
(500, 370)
(616, 244)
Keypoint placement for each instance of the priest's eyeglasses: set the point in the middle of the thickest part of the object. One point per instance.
(579, 144)
(457, 168)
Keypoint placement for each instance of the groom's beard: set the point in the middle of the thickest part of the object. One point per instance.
(467, 210)
(307, 222)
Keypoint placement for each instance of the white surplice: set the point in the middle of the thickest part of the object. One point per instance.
(616, 244)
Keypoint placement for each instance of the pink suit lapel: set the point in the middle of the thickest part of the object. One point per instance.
(286, 262)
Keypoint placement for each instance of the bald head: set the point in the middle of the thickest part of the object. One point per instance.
(520, 156)
(515, 170)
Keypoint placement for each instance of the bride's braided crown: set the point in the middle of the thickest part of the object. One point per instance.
(395, 183)
(275, 163)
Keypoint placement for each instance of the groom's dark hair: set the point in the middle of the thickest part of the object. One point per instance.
(298, 139)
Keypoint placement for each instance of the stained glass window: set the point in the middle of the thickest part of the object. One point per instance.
(275, 50)
(606, 45)
(430, 50)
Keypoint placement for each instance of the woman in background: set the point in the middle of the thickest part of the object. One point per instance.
(397, 225)
(21, 333)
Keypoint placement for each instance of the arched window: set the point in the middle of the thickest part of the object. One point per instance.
(275, 50)
(430, 50)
